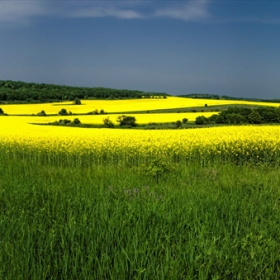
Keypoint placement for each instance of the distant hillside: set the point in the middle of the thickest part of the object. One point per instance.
(21, 92)
(224, 97)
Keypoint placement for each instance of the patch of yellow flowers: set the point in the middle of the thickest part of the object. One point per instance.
(110, 106)
(56, 143)
(231, 143)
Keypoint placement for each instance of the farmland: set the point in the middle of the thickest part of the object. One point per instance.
(157, 110)
(82, 203)
(124, 105)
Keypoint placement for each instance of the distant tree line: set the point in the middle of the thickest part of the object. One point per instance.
(201, 96)
(225, 97)
(238, 115)
(21, 92)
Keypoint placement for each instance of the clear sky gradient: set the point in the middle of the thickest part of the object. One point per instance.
(178, 47)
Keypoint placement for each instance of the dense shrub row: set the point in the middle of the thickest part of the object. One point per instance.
(243, 115)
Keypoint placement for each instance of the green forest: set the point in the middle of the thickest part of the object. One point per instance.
(22, 92)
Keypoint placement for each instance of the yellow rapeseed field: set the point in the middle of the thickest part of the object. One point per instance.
(122, 105)
(14, 121)
(232, 143)
(204, 144)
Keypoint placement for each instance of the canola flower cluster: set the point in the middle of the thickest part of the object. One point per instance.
(81, 147)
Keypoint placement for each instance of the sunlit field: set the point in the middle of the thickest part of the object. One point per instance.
(13, 123)
(123, 105)
(230, 144)
(85, 203)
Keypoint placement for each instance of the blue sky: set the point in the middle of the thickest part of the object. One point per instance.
(179, 47)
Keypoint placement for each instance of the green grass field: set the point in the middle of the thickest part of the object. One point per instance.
(116, 221)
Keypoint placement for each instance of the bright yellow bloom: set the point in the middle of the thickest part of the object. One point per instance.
(123, 105)
(234, 143)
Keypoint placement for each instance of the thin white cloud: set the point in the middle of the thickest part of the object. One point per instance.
(24, 11)
(192, 11)
(20, 11)
(104, 11)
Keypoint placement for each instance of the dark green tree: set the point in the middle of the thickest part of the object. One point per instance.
(76, 121)
(63, 112)
(220, 119)
(235, 118)
(77, 101)
(126, 120)
(201, 120)
(178, 124)
(108, 123)
(255, 117)
(213, 118)
(42, 113)
(268, 114)
(64, 122)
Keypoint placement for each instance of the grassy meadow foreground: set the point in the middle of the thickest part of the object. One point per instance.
(138, 204)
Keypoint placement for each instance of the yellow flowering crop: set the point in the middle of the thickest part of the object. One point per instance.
(232, 143)
(13, 122)
(226, 143)
(122, 105)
